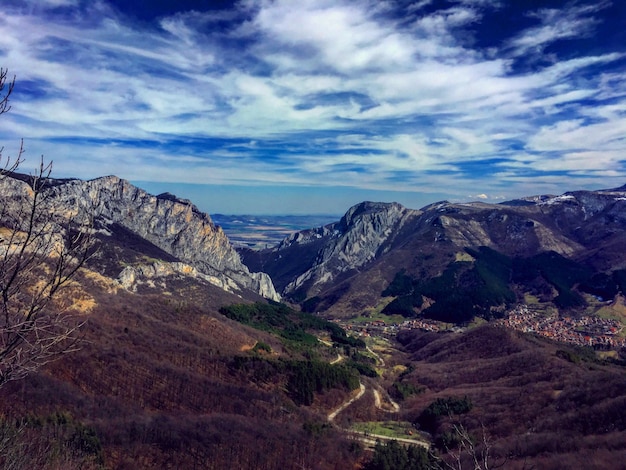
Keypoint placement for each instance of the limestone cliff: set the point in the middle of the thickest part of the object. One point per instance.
(319, 256)
(172, 224)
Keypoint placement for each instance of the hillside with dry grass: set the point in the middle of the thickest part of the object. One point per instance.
(162, 379)
(156, 384)
(540, 404)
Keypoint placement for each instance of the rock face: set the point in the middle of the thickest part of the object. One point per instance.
(361, 253)
(172, 224)
(316, 257)
(150, 274)
(358, 238)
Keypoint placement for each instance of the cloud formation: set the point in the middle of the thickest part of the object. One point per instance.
(405, 96)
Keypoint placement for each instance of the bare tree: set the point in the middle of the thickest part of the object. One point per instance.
(39, 254)
(470, 452)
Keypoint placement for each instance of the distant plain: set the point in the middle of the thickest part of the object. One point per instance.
(265, 231)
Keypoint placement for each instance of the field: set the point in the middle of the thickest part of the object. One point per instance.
(393, 429)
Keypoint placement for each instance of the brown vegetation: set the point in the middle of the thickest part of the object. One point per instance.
(540, 408)
(154, 380)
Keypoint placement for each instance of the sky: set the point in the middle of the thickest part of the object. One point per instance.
(311, 106)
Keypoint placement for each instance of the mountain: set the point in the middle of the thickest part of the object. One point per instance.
(175, 226)
(180, 363)
(344, 267)
(306, 260)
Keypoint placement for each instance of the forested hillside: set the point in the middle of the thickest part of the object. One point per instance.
(166, 380)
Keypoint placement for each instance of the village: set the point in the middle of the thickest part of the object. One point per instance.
(390, 329)
(593, 331)
(602, 333)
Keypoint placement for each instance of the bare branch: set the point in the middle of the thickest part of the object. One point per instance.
(40, 252)
(5, 107)
(469, 451)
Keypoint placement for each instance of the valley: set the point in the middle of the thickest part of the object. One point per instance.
(592, 331)
(437, 336)
(319, 235)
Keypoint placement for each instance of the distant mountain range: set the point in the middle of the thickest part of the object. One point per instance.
(455, 261)
(446, 261)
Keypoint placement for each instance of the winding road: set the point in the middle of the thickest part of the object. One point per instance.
(379, 395)
(379, 405)
(370, 439)
(338, 360)
(332, 415)
(378, 400)
(381, 361)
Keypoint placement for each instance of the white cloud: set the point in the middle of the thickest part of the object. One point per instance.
(557, 24)
(52, 3)
(578, 135)
(339, 35)
(389, 98)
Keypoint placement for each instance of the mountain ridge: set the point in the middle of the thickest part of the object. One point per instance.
(345, 265)
(172, 224)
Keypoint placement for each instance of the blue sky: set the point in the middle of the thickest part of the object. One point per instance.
(310, 106)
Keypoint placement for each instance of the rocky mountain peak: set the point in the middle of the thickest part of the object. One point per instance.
(174, 198)
(319, 256)
(368, 208)
(435, 206)
(174, 225)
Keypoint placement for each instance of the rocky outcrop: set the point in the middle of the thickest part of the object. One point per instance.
(149, 274)
(521, 231)
(362, 234)
(174, 225)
